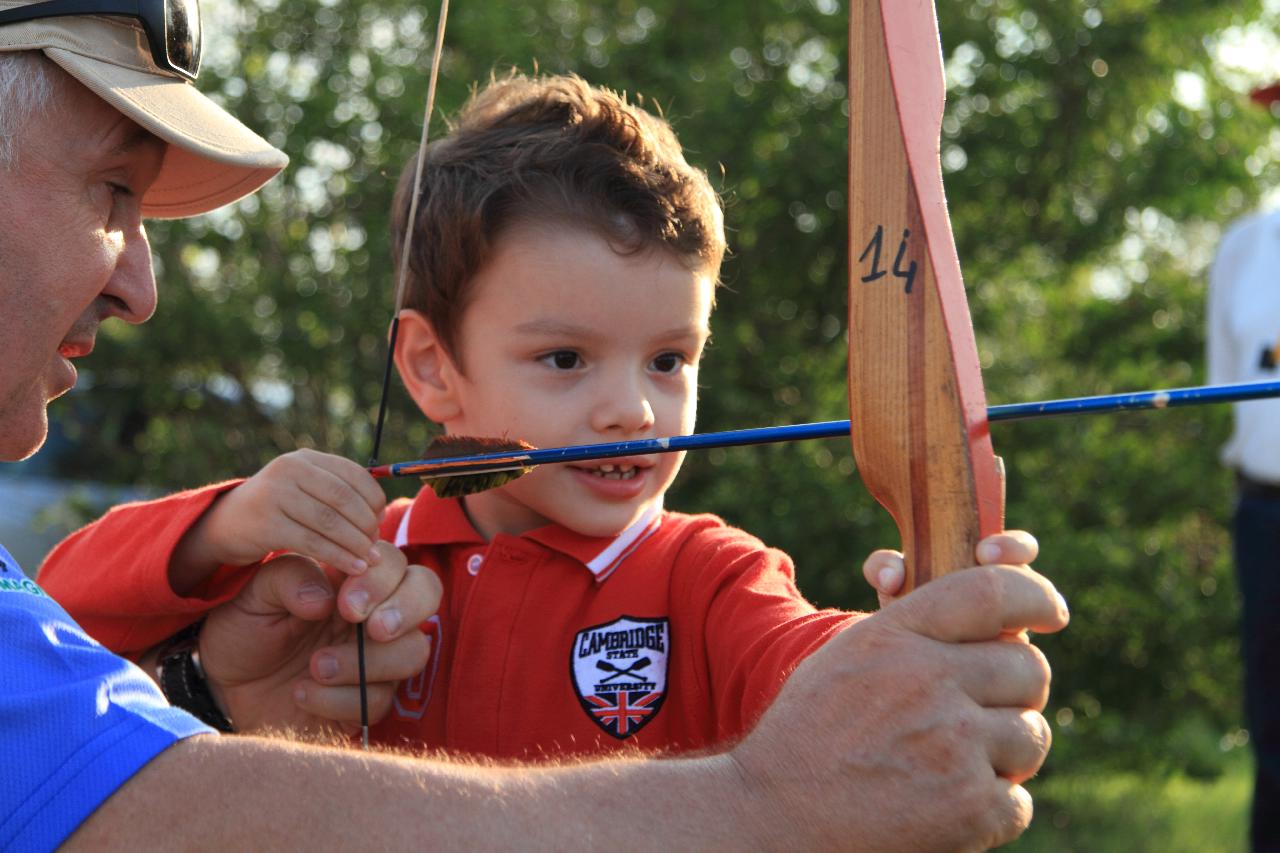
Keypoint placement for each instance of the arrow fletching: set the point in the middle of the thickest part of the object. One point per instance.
(455, 481)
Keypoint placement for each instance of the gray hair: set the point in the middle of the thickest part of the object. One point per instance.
(26, 89)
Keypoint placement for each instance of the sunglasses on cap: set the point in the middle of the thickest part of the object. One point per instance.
(172, 26)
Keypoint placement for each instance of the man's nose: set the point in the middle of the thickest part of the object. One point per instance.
(131, 290)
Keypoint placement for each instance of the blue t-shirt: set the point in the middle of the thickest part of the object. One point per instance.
(76, 721)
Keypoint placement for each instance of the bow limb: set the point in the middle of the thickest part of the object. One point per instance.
(920, 432)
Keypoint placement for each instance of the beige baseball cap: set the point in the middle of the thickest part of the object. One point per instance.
(212, 159)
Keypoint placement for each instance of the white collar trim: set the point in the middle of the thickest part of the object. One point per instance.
(604, 563)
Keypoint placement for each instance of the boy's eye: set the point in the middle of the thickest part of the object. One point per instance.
(562, 359)
(668, 362)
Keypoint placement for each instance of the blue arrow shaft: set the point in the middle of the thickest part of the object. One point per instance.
(456, 465)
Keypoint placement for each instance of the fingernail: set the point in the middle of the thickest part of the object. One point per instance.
(299, 694)
(326, 666)
(374, 556)
(359, 567)
(890, 578)
(390, 619)
(358, 600)
(988, 552)
(1062, 604)
(314, 592)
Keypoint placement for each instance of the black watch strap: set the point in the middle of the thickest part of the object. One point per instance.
(183, 682)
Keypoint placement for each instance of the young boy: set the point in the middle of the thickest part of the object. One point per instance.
(560, 289)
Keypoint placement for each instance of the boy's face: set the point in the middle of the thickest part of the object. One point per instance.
(568, 342)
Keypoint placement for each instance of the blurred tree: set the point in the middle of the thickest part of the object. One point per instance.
(1092, 152)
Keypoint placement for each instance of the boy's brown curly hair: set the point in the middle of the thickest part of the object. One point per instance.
(527, 150)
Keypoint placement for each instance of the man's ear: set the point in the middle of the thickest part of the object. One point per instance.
(426, 368)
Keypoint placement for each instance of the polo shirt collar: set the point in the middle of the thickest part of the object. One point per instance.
(431, 520)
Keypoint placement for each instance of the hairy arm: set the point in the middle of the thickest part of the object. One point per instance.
(927, 701)
(249, 793)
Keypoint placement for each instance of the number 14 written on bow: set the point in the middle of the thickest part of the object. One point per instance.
(875, 251)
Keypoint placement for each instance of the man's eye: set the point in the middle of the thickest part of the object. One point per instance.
(563, 359)
(668, 362)
(120, 190)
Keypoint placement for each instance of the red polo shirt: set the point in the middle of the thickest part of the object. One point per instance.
(674, 635)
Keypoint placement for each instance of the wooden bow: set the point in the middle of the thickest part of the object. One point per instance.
(920, 433)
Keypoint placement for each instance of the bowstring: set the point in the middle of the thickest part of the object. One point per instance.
(401, 277)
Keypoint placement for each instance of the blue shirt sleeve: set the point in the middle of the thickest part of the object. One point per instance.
(76, 721)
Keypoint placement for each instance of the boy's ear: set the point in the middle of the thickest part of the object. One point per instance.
(426, 368)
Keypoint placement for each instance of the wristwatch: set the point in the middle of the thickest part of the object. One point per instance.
(183, 682)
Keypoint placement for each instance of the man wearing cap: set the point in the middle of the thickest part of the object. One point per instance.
(92, 139)
(99, 127)
(1243, 345)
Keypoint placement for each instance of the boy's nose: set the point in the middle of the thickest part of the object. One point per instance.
(623, 409)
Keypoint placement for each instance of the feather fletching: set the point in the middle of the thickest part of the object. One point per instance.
(447, 485)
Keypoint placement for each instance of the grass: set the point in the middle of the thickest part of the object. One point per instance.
(1127, 812)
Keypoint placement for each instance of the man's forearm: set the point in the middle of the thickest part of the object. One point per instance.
(249, 793)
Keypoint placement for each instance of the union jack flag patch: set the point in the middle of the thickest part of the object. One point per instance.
(620, 672)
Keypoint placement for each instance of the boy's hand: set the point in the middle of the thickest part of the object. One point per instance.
(281, 655)
(885, 571)
(315, 504)
(913, 728)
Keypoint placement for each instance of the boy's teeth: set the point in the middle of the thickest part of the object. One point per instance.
(615, 472)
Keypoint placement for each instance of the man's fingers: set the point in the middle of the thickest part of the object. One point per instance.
(391, 662)
(290, 583)
(1011, 813)
(1017, 741)
(885, 572)
(342, 704)
(1014, 547)
(981, 603)
(393, 596)
(361, 595)
(1000, 674)
(414, 601)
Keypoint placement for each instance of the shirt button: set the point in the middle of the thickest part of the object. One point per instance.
(473, 564)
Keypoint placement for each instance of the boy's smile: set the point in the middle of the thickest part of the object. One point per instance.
(566, 341)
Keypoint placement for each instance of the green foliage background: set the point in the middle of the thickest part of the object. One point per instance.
(1087, 189)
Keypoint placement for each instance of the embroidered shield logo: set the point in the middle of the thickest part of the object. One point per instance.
(620, 672)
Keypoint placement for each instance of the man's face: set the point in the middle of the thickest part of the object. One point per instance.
(72, 250)
(568, 342)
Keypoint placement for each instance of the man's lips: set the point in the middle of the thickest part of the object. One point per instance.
(75, 349)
